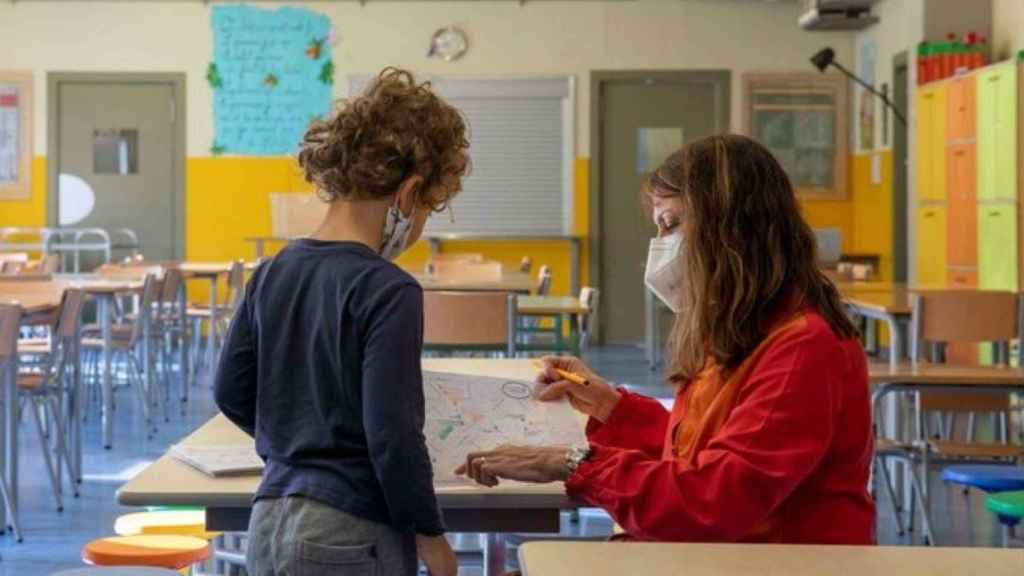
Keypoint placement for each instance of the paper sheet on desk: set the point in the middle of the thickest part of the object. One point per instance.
(219, 460)
(472, 413)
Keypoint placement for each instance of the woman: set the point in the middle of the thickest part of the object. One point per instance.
(770, 436)
(322, 361)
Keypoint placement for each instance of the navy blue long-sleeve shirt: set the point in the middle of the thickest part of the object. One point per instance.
(322, 367)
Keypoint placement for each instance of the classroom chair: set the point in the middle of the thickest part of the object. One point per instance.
(469, 322)
(44, 387)
(200, 314)
(125, 342)
(941, 319)
(543, 286)
(10, 322)
(590, 298)
(1009, 508)
(989, 479)
(151, 550)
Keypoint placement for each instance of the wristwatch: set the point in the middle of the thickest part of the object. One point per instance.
(575, 456)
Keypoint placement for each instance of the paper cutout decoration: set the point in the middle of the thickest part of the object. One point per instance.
(271, 75)
(76, 200)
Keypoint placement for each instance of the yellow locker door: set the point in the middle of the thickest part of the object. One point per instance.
(931, 143)
(931, 246)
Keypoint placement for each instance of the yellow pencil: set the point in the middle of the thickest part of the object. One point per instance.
(570, 376)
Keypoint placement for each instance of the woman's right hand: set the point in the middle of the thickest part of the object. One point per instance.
(596, 399)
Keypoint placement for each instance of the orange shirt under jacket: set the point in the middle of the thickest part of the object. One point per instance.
(779, 452)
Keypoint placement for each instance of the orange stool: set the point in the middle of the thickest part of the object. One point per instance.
(156, 550)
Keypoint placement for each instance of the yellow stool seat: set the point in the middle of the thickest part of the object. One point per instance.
(172, 522)
(155, 550)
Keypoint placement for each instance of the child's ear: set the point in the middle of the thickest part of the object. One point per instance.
(408, 194)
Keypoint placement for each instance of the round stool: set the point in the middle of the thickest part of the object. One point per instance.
(986, 477)
(1007, 504)
(174, 522)
(154, 550)
(117, 571)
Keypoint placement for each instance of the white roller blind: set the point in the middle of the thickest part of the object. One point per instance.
(521, 144)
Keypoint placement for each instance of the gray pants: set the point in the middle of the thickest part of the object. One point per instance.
(297, 536)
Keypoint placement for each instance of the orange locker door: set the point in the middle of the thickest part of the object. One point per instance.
(962, 219)
(962, 109)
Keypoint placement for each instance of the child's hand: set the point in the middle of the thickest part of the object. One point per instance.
(437, 555)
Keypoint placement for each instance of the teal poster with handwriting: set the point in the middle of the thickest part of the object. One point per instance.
(271, 75)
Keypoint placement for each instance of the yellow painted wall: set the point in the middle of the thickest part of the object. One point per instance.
(872, 209)
(31, 212)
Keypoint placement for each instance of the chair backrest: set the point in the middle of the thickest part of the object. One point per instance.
(236, 283)
(526, 265)
(150, 289)
(543, 287)
(960, 317)
(49, 264)
(70, 313)
(589, 298)
(11, 267)
(469, 319)
(10, 322)
(171, 287)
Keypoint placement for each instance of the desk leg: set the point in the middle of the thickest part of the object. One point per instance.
(494, 554)
(183, 351)
(8, 370)
(148, 392)
(575, 336)
(75, 418)
(103, 309)
(211, 335)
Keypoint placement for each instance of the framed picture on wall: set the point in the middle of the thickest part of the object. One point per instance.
(15, 135)
(803, 119)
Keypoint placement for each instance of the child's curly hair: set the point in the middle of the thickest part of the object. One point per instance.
(371, 143)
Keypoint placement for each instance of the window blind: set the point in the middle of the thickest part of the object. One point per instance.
(521, 136)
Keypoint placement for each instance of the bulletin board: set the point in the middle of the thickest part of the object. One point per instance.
(15, 136)
(271, 75)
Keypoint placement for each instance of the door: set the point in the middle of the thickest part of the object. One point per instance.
(961, 109)
(997, 133)
(931, 246)
(961, 240)
(997, 246)
(900, 237)
(643, 119)
(118, 148)
(931, 143)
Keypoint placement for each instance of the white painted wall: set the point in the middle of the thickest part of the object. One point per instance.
(506, 39)
(1007, 28)
(900, 28)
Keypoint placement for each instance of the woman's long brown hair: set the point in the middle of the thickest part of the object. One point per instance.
(747, 253)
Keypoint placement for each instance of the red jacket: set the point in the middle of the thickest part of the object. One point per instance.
(778, 452)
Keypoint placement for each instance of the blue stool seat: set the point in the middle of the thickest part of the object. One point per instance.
(986, 477)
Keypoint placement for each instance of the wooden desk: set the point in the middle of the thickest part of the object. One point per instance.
(615, 559)
(558, 309)
(509, 507)
(509, 282)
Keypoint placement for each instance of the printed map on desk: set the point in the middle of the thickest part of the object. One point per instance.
(472, 413)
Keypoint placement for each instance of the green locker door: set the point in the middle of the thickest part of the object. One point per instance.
(997, 133)
(997, 246)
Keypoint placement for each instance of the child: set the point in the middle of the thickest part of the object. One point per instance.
(322, 361)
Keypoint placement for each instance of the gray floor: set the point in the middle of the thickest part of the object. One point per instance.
(53, 541)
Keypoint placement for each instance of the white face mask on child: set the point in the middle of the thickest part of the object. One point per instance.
(664, 274)
(397, 228)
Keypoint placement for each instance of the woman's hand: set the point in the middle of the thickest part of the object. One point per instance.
(596, 399)
(437, 555)
(524, 463)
